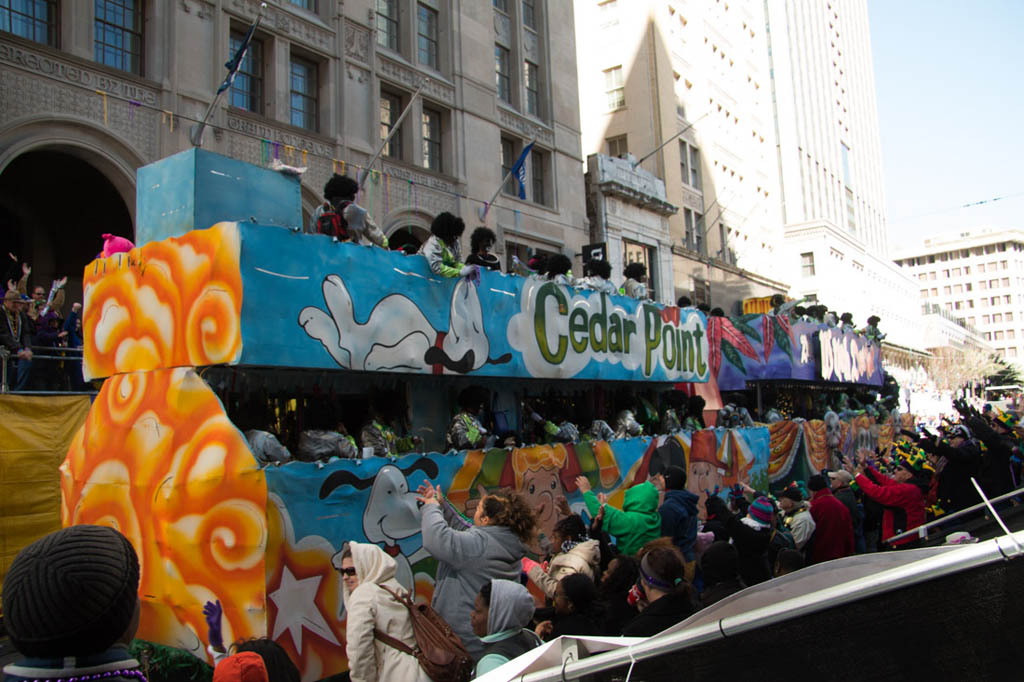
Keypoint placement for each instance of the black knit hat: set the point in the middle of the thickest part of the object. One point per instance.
(71, 593)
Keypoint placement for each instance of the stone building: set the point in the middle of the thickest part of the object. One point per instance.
(685, 87)
(974, 276)
(91, 91)
(627, 205)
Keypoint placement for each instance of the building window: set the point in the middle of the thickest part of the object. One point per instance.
(502, 5)
(638, 253)
(118, 34)
(618, 146)
(531, 78)
(304, 90)
(689, 164)
(846, 164)
(247, 88)
(431, 139)
(36, 20)
(807, 264)
(387, 24)
(426, 27)
(530, 14)
(502, 75)
(614, 88)
(305, 4)
(390, 110)
(508, 157)
(695, 167)
(539, 176)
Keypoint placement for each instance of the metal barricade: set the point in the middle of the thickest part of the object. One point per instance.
(56, 381)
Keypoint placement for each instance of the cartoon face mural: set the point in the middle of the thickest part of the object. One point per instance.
(391, 514)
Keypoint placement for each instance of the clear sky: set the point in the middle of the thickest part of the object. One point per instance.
(950, 81)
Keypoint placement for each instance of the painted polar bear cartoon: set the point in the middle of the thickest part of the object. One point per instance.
(397, 335)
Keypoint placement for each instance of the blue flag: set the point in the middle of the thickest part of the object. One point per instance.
(519, 170)
(235, 62)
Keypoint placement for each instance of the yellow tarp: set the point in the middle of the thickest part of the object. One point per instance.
(35, 433)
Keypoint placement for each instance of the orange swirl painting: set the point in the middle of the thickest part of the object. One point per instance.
(159, 460)
(172, 303)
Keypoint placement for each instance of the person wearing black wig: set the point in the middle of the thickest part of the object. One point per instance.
(71, 607)
(480, 244)
(340, 195)
(443, 251)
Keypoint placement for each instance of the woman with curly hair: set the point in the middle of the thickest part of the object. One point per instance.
(469, 556)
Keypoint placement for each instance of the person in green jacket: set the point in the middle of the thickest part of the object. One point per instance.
(637, 523)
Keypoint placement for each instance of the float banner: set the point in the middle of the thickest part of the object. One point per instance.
(247, 294)
(310, 302)
(759, 347)
(849, 357)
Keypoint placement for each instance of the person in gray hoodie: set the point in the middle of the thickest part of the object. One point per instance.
(469, 556)
(501, 612)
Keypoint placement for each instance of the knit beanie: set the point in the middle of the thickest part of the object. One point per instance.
(246, 666)
(761, 510)
(71, 593)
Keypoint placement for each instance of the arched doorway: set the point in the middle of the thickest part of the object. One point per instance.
(53, 208)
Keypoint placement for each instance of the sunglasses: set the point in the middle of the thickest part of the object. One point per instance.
(350, 571)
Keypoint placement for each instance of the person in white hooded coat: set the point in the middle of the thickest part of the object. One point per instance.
(577, 554)
(369, 606)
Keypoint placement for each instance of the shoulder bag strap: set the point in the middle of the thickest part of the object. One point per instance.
(388, 639)
(393, 643)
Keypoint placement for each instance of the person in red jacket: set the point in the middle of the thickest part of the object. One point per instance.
(833, 528)
(902, 495)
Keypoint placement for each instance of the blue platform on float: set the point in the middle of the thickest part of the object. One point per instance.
(195, 189)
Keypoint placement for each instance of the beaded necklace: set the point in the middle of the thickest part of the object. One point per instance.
(132, 673)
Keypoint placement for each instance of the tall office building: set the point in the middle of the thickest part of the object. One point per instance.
(975, 276)
(90, 91)
(651, 69)
(830, 165)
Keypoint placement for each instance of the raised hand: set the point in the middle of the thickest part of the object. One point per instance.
(562, 505)
(583, 483)
(212, 612)
(25, 269)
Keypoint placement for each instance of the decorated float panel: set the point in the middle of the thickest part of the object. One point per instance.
(758, 347)
(247, 294)
(159, 459)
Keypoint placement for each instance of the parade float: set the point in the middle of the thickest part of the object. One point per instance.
(225, 287)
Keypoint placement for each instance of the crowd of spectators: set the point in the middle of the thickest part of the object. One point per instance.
(35, 333)
(631, 571)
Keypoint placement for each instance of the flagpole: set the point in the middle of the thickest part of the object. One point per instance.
(483, 210)
(365, 173)
(195, 135)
